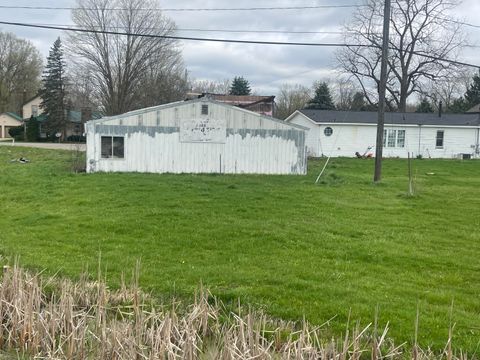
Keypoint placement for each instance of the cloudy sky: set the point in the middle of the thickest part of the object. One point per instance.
(265, 66)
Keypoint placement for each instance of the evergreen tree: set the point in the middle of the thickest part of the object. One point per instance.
(459, 106)
(240, 86)
(472, 96)
(322, 99)
(53, 91)
(424, 107)
(33, 129)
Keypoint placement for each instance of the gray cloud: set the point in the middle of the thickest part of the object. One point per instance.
(266, 67)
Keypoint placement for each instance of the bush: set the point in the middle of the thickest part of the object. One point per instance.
(33, 129)
(77, 138)
(16, 132)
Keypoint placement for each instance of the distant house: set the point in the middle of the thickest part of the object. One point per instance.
(264, 105)
(7, 121)
(343, 133)
(195, 136)
(75, 119)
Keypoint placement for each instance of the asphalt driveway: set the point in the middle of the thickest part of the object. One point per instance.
(54, 146)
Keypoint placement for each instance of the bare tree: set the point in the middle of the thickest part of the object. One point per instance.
(449, 89)
(121, 64)
(20, 70)
(291, 98)
(418, 27)
(212, 87)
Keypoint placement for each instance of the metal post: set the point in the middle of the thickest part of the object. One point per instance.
(381, 94)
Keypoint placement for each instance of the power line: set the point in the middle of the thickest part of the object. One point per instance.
(185, 9)
(186, 38)
(215, 30)
(257, 42)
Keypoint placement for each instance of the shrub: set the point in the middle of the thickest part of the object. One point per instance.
(16, 132)
(77, 138)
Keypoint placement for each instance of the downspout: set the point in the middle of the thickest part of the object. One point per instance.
(419, 138)
(477, 145)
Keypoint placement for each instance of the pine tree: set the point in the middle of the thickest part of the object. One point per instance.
(240, 86)
(33, 129)
(424, 107)
(472, 96)
(53, 91)
(322, 99)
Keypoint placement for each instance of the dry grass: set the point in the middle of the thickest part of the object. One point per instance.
(51, 318)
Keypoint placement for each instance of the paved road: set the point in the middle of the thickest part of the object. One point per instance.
(54, 146)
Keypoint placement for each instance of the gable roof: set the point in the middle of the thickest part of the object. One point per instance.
(187, 102)
(13, 115)
(31, 99)
(370, 117)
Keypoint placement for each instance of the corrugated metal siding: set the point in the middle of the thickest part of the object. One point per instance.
(155, 141)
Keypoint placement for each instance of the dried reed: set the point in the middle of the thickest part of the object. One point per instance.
(86, 320)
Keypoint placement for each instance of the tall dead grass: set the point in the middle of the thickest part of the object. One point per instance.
(49, 318)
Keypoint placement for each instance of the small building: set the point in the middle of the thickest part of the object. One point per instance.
(344, 133)
(7, 121)
(196, 136)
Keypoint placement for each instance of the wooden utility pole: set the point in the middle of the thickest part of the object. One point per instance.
(381, 93)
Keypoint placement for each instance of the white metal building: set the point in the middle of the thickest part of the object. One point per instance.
(197, 136)
(343, 133)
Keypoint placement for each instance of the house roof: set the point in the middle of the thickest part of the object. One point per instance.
(370, 117)
(181, 103)
(31, 99)
(15, 116)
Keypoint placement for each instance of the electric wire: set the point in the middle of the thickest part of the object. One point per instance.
(257, 42)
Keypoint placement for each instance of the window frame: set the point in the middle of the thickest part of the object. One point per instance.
(328, 129)
(395, 141)
(442, 138)
(112, 155)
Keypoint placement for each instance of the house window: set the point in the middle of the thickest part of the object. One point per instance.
(140, 120)
(394, 138)
(204, 109)
(112, 147)
(391, 138)
(328, 131)
(158, 118)
(439, 139)
(401, 138)
(35, 110)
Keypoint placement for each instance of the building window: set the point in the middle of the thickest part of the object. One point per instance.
(113, 147)
(328, 131)
(393, 138)
(35, 110)
(204, 109)
(140, 120)
(401, 138)
(439, 139)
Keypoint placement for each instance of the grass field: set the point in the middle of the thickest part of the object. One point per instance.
(277, 242)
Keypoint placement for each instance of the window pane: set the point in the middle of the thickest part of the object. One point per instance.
(391, 138)
(401, 138)
(106, 147)
(439, 139)
(118, 147)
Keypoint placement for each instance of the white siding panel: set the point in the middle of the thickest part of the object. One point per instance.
(253, 144)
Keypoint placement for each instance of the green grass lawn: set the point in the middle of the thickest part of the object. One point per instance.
(281, 243)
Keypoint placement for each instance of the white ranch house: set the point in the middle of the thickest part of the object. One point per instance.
(343, 133)
(197, 136)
